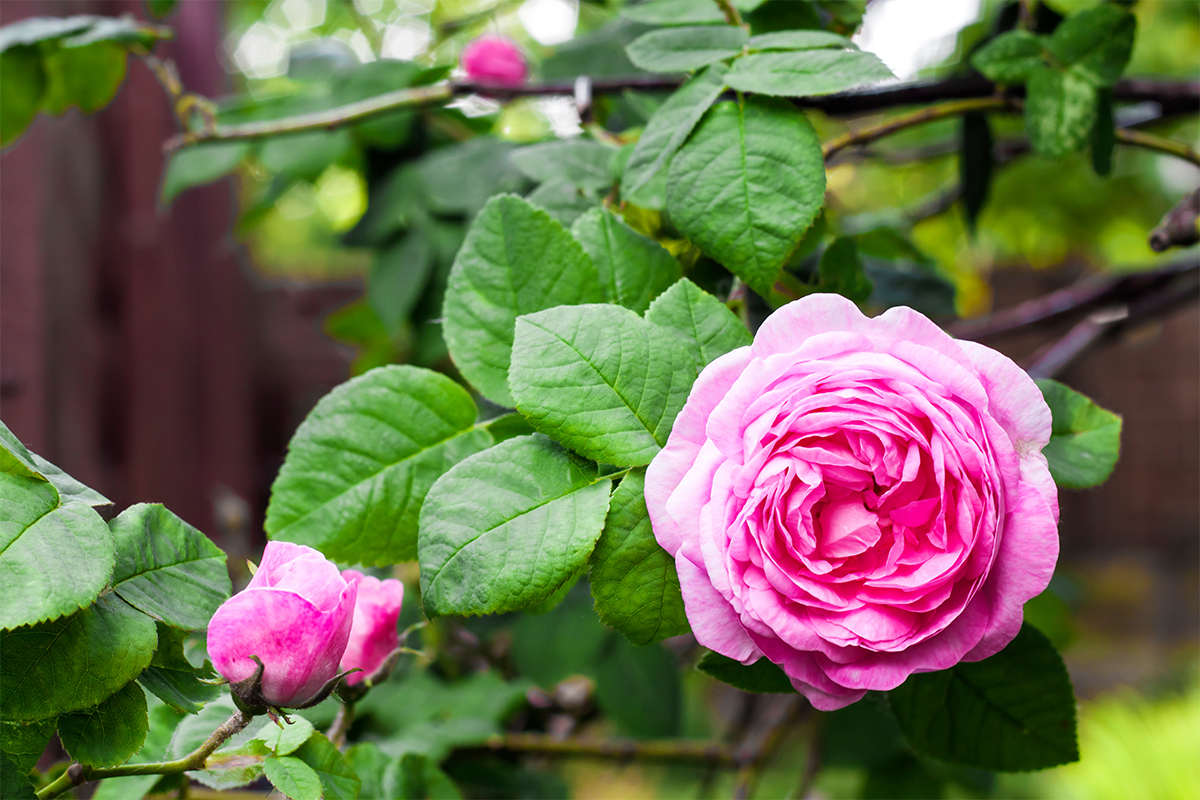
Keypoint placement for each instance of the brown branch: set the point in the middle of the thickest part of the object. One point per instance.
(620, 749)
(1180, 227)
(952, 109)
(787, 710)
(1149, 141)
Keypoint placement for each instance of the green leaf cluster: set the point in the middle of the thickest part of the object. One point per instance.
(51, 64)
(1064, 74)
(1085, 439)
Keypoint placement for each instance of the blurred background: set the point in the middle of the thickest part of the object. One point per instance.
(162, 341)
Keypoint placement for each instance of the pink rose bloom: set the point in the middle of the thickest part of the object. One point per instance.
(373, 637)
(857, 499)
(295, 615)
(496, 60)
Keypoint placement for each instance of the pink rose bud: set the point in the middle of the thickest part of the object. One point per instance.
(857, 499)
(373, 637)
(496, 60)
(295, 616)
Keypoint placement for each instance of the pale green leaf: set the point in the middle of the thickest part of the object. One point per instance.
(399, 277)
(1085, 439)
(199, 164)
(799, 40)
(291, 776)
(515, 260)
(359, 466)
(338, 781)
(69, 489)
(747, 185)
(563, 201)
(304, 156)
(1011, 57)
(285, 739)
(1060, 110)
(683, 12)
(633, 268)
(579, 162)
(236, 763)
(505, 528)
(109, 734)
(804, 73)
(686, 49)
(701, 323)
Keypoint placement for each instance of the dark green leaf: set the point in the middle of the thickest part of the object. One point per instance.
(161, 8)
(686, 49)
(74, 662)
(14, 780)
(975, 161)
(399, 277)
(798, 40)
(109, 734)
(417, 777)
(1104, 134)
(1096, 42)
(199, 164)
(338, 781)
(163, 721)
(902, 777)
(1011, 57)
(505, 528)
(639, 689)
(460, 179)
(22, 85)
(508, 426)
(173, 679)
(86, 78)
(293, 778)
(841, 270)
(761, 676)
(563, 201)
(861, 734)
(516, 260)
(1013, 711)
(565, 641)
(803, 73)
(633, 580)
(633, 268)
(166, 568)
(579, 162)
(1060, 110)
(359, 466)
(747, 185)
(702, 323)
(900, 283)
(670, 126)
(600, 380)
(304, 156)
(1085, 440)
(22, 745)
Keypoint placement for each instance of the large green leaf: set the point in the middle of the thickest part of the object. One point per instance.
(359, 466)
(761, 676)
(600, 380)
(1096, 42)
(285, 739)
(86, 78)
(338, 781)
(515, 260)
(841, 271)
(173, 679)
(803, 73)
(304, 156)
(1060, 110)
(686, 49)
(1013, 711)
(69, 489)
(292, 777)
(56, 557)
(683, 12)
(166, 568)
(670, 126)
(702, 323)
(20, 748)
(579, 162)
(505, 528)
(563, 201)
(74, 662)
(633, 579)
(22, 85)
(163, 721)
(109, 734)
(633, 268)
(460, 179)
(1011, 57)
(798, 40)
(199, 164)
(747, 185)
(1085, 440)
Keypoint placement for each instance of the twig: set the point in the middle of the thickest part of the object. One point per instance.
(374, 38)
(620, 749)
(753, 762)
(952, 109)
(1136, 138)
(341, 724)
(1180, 227)
(732, 16)
(78, 774)
(812, 761)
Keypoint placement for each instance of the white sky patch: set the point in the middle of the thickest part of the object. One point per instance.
(909, 35)
(550, 22)
(406, 38)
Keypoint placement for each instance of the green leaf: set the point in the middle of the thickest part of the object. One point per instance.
(1096, 42)
(804, 73)
(901, 777)
(86, 78)
(198, 164)
(670, 126)
(633, 579)
(173, 679)
(236, 763)
(639, 688)
(399, 277)
(285, 739)
(634, 269)
(22, 85)
(1014, 711)
(747, 185)
(1060, 110)
(417, 777)
(799, 40)
(81, 30)
(686, 49)
(161, 8)
(1011, 57)
(291, 776)
(579, 162)
(515, 260)
(975, 163)
(505, 528)
(14, 780)
(304, 156)
(702, 323)
(359, 466)
(762, 676)
(1085, 439)
(166, 568)
(163, 721)
(460, 179)
(56, 557)
(74, 662)
(109, 734)
(338, 781)
(683, 12)
(369, 764)
(841, 270)
(598, 379)
(1104, 134)
(22, 746)
(69, 489)
(563, 201)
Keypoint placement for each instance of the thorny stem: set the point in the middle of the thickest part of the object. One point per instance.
(952, 109)
(341, 724)
(78, 774)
